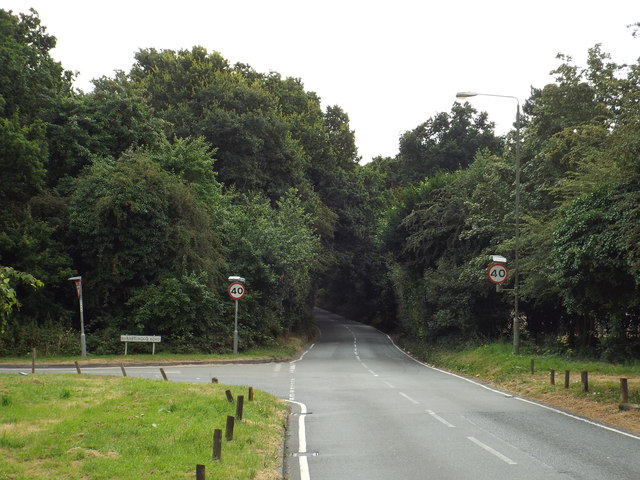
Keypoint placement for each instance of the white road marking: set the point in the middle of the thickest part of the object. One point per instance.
(575, 417)
(292, 389)
(303, 354)
(440, 419)
(508, 395)
(409, 398)
(277, 367)
(492, 451)
(302, 442)
(388, 384)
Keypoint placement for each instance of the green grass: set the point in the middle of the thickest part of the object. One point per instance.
(495, 361)
(77, 427)
(285, 349)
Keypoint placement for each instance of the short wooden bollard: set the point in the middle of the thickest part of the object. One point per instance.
(624, 390)
(585, 381)
(229, 395)
(200, 472)
(217, 444)
(78, 368)
(251, 394)
(228, 432)
(214, 380)
(533, 366)
(567, 378)
(33, 360)
(552, 376)
(124, 372)
(239, 407)
(164, 375)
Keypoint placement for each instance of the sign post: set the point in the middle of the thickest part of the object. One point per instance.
(236, 291)
(83, 339)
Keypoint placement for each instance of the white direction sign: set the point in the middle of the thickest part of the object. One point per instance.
(237, 290)
(498, 273)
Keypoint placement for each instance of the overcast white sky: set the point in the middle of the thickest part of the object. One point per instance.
(390, 65)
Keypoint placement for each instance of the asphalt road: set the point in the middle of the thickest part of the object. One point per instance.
(365, 410)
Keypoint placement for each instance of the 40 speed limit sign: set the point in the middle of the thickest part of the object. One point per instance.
(498, 273)
(237, 290)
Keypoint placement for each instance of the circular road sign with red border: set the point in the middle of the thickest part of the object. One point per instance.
(237, 290)
(498, 273)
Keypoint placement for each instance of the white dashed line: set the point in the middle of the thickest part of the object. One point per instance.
(440, 419)
(409, 398)
(487, 448)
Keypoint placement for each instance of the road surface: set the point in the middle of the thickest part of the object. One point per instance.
(366, 410)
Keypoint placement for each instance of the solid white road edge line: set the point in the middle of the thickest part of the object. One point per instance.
(531, 402)
(585, 420)
(303, 354)
(302, 442)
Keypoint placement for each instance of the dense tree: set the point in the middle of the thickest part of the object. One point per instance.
(166, 179)
(133, 222)
(445, 142)
(199, 94)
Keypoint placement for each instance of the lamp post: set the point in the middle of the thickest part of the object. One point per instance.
(83, 340)
(516, 283)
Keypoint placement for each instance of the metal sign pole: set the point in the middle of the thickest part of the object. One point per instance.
(235, 331)
(236, 291)
(83, 338)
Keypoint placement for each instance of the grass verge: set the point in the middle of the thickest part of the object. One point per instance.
(77, 427)
(496, 365)
(286, 348)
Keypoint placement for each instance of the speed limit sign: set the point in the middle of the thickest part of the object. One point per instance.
(237, 290)
(498, 273)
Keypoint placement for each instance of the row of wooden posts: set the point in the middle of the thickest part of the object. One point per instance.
(584, 377)
(217, 433)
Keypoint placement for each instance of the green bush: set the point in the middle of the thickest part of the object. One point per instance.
(49, 340)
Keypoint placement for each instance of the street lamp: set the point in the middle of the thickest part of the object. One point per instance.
(516, 283)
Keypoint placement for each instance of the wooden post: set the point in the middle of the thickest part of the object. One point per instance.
(533, 366)
(124, 372)
(214, 380)
(624, 390)
(239, 407)
(78, 368)
(217, 444)
(229, 395)
(33, 360)
(251, 394)
(585, 381)
(552, 374)
(567, 375)
(228, 432)
(200, 472)
(164, 375)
